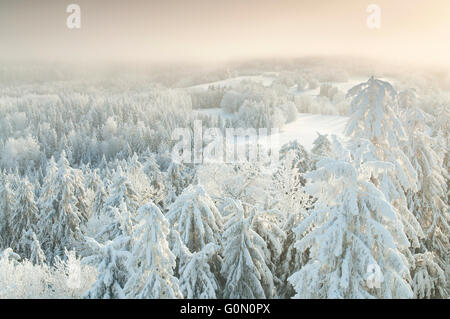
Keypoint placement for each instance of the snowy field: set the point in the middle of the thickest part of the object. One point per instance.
(304, 129)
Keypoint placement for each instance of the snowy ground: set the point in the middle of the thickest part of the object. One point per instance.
(304, 129)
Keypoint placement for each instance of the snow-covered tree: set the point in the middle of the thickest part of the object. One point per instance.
(373, 118)
(322, 146)
(59, 220)
(152, 262)
(429, 280)
(99, 201)
(346, 237)
(120, 208)
(112, 274)
(244, 264)
(122, 191)
(156, 180)
(25, 213)
(196, 218)
(178, 177)
(7, 200)
(428, 203)
(297, 155)
(197, 279)
(268, 223)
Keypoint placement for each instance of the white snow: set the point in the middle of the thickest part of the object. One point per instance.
(304, 129)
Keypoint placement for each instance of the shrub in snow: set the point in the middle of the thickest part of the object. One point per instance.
(24, 279)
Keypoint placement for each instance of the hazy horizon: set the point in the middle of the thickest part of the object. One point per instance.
(200, 31)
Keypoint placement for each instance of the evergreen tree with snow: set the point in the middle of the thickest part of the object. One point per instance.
(429, 279)
(197, 278)
(30, 248)
(428, 203)
(297, 155)
(152, 262)
(112, 274)
(351, 231)
(120, 208)
(99, 201)
(156, 180)
(60, 219)
(178, 177)
(25, 214)
(196, 218)
(7, 199)
(122, 191)
(268, 223)
(322, 146)
(373, 117)
(244, 264)
(294, 204)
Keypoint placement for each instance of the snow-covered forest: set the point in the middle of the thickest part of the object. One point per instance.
(92, 204)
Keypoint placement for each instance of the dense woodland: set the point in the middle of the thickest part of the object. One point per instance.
(93, 206)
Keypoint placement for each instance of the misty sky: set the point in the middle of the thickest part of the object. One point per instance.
(215, 30)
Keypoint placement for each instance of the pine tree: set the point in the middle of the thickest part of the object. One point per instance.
(100, 197)
(156, 180)
(268, 223)
(25, 213)
(244, 265)
(429, 280)
(120, 207)
(6, 207)
(122, 191)
(197, 279)
(30, 248)
(346, 235)
(428, 202)
(178, 177)
(60, 220)
(112, 274)
(195, 216)
(322, 146)
(297, 155)
(373, 118)
(152, 262)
